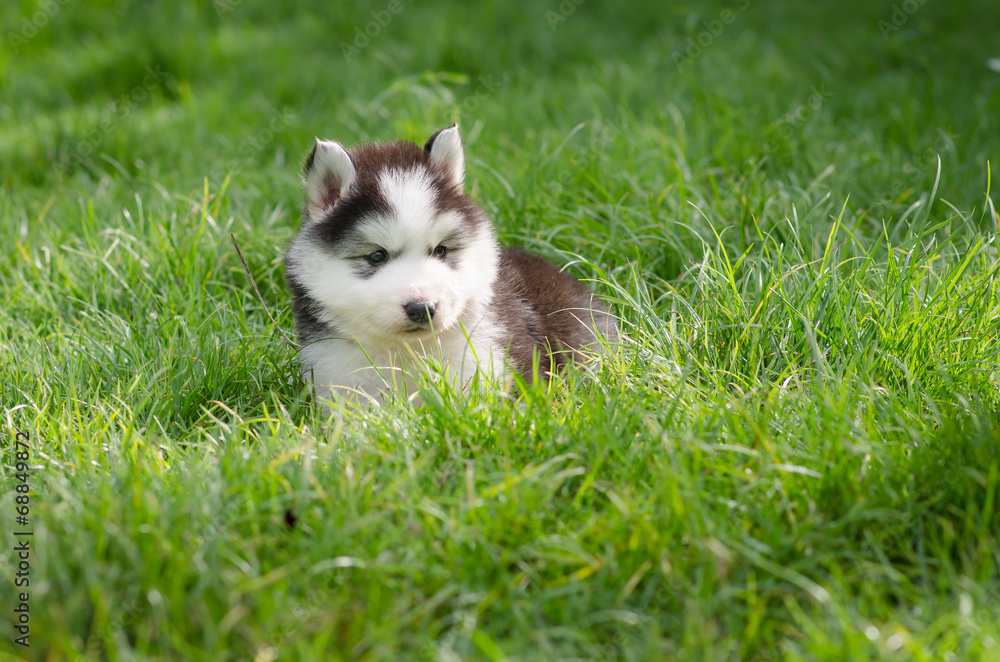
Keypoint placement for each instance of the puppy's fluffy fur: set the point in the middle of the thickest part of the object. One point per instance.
(393, 262)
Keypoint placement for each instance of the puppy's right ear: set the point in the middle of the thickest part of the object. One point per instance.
(328, 176)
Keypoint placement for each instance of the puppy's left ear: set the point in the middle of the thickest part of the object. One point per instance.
(444, 150)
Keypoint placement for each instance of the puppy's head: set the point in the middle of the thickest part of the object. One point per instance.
(391, 248)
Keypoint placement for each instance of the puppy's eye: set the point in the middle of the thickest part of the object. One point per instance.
(440, 252)
(377, 257)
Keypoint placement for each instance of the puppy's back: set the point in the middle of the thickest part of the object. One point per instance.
(546, 310)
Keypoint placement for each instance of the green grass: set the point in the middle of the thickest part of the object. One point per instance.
(794, 456)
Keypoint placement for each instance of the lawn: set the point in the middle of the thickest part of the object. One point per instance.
(794, 455)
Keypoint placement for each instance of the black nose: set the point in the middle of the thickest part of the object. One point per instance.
(419, 312)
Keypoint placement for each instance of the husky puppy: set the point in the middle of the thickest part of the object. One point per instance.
(393, 262)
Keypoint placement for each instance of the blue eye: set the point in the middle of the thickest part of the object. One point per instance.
(377, 257)
(440, 252)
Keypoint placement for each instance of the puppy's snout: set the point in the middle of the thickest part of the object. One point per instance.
(419, 312)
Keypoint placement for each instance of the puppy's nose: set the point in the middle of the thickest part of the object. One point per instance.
(419, 312)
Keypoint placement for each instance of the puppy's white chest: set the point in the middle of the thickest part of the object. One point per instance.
(369, 373)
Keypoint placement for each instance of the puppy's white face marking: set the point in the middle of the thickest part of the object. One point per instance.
(428, 256)
(410, 195)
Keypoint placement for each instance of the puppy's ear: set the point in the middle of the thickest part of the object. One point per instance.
(328, 176)
(445, 152)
